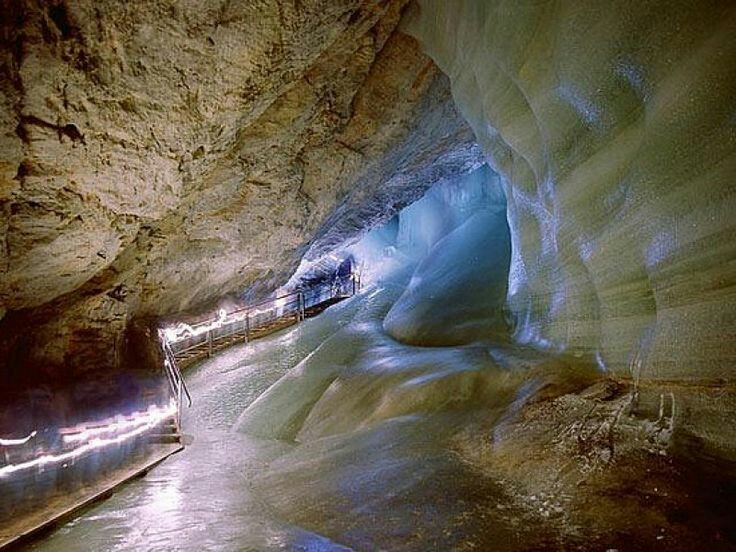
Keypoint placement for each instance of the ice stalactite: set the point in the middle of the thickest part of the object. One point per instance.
(445, 207)
(458, 239)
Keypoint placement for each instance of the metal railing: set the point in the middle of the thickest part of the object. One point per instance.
(176, 380)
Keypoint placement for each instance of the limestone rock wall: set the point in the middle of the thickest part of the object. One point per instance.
(614, 127)
(156, 156)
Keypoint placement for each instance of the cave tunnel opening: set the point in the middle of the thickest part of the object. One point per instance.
(450, 250)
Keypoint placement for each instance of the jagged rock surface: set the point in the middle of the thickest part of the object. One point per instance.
(157, 157)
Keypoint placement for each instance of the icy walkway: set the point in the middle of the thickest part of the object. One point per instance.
(201, 498)
(386, 484)
(333, 435)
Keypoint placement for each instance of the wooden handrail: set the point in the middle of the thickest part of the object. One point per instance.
(296, 293)
(294, 304)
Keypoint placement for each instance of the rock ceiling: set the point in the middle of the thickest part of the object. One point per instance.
(158, 157)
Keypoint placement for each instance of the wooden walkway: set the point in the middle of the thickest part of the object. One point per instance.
(75, 487)
(259, 321)
(243, 326)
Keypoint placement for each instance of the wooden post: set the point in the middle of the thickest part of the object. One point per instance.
(302, 315)
(247, 327)
(353, 283)
(209, 343)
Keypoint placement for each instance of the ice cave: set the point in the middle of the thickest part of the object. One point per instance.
(367, 275)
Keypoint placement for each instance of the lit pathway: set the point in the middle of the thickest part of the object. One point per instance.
(394, 483)
(200, 499)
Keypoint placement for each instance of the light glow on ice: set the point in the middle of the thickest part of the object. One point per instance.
(182, 330)
(16, 442)
(119, 430)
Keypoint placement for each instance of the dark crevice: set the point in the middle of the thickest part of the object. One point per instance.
(69, 130)
(22, 133)
(24, 169)
(60, 17)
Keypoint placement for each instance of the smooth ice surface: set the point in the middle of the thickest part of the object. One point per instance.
(333, 434)
(613, 127)
(457, 293)
(347, 448)
(202, 498)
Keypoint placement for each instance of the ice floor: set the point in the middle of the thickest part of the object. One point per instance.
(203, 498)
(349, 449)
(332, 435)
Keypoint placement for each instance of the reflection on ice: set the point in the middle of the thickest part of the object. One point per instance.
(162, 499)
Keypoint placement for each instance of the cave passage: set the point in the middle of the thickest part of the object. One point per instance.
(538, 198)
(401, 418)
(275, 402)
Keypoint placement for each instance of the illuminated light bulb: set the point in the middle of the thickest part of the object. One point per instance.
(183, 331)
(119, 423)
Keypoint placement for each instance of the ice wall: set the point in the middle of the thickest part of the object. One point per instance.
(455, 240)
(457, 293)
(409, 237)
(613, 126)
(446, 206)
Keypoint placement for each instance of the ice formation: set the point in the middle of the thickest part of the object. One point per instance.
(457, 293)
(452, 249)
(526, 369)
(612, 127)
(346, 437)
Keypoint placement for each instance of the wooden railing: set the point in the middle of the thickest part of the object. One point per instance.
(176, 381)
(253, 321)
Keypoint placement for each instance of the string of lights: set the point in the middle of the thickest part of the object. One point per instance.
(119, 430)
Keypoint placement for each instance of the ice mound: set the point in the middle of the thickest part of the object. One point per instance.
(280, 412)
(442, 281)
(457, 292)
